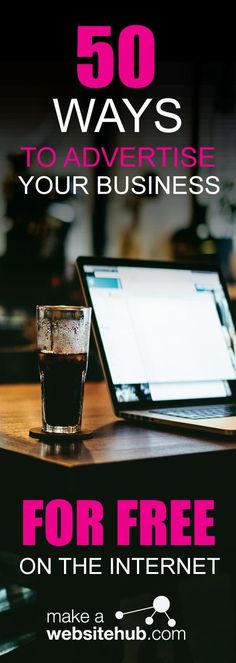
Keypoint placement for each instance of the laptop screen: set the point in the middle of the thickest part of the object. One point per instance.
(167, 333)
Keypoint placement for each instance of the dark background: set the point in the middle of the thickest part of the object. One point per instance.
(195, 63)
(38, 61)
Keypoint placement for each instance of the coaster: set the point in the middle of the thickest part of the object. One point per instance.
(50, 438)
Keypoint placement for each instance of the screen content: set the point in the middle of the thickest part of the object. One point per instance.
(168, 334)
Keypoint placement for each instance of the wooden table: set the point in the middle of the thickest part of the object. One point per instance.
(114, 441)
(122, 460)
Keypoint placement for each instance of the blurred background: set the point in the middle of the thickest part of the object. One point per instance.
(41, 235)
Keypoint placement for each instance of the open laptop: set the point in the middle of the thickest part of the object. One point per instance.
(167, 341)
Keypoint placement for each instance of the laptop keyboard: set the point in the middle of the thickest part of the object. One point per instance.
(199, 411)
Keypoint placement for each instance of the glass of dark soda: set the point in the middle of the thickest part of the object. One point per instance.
(63, 346)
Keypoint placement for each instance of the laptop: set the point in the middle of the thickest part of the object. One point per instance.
(166, 340)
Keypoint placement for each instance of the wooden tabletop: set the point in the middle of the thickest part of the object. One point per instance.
(114, 441)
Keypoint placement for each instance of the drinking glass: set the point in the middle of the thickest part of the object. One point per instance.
(63, 345)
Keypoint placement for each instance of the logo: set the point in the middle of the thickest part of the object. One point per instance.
(160, 605)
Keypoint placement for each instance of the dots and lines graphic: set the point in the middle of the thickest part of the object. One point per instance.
(160, 605)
